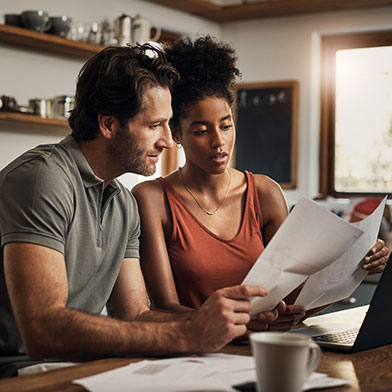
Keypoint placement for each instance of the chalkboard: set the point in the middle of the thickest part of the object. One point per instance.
(267, 130)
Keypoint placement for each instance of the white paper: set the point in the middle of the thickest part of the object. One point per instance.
(44, 367)
(214, 372)
(309, 239)
(343, 276)
(196, 373)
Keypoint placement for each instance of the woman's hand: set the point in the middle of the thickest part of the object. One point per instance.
(376, 259)
(282, 318)
(288, 318)
(261, 322)
(263, 319)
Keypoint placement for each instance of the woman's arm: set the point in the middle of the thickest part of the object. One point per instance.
(273, 206)
(156, 224)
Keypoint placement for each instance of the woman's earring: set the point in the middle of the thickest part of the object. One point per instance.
(179, 146)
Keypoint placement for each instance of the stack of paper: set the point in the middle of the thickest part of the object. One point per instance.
(343, 276)
(309, 240)
(214, 372)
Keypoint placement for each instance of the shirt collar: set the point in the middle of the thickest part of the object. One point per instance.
(87, 174)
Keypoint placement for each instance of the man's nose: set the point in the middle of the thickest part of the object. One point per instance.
(166, 139)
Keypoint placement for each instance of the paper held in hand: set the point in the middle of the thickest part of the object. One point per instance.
(338, 280)
(310, 239)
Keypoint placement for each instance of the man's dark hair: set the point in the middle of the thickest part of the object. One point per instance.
(113, 82)
(207, 69)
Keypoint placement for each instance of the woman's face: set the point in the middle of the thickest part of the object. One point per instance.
(208, 134)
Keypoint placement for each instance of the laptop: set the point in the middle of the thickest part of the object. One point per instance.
(356, 329)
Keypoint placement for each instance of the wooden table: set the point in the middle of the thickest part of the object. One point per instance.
(369, 370)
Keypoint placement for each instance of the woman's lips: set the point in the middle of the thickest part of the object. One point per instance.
(219, 158)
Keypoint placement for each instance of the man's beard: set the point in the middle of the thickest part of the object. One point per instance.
(126, 154)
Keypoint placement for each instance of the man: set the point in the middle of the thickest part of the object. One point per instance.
(69, 230)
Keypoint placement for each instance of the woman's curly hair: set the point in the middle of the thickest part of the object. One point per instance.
(207, 68)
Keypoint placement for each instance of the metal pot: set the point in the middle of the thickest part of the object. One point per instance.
(42, 107)
(62, 105)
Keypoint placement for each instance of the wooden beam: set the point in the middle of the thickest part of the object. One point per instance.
(195, 7)
(267, 9)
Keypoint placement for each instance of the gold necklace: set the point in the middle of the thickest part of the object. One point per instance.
(194, 198)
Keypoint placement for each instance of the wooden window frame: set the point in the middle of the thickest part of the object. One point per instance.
(330, 44)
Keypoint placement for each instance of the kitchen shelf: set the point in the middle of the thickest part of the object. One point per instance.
(266, 8)
(33, 121)
(31, 39)
(47, 42)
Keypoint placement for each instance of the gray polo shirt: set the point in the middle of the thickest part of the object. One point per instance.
(50, 196)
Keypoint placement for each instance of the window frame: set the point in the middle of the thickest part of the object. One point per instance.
(330, 44)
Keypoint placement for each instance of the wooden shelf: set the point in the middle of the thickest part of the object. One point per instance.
(52, 43)
(33, 121)
(31, 39)
(266, 9)
(17, 36)
(30, 121)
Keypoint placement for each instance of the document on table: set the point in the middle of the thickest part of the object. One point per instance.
(213, 372)
(343, 276)
(309, 239)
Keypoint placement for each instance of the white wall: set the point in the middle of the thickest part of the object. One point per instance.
(26, 74)
(288, 48)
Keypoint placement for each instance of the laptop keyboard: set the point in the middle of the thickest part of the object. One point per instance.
(344, 337)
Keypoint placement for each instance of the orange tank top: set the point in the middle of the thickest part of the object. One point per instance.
(201, 261)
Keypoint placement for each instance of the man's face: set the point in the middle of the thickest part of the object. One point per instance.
(136, 148)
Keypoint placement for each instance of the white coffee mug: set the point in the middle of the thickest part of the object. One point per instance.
(284, 360)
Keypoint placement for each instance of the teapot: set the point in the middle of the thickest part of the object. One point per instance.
(141, 31)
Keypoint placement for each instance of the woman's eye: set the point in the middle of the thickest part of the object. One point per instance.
(227, 127)
(154, 126)
(201, 132)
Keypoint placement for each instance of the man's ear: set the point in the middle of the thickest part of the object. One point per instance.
(108, 125)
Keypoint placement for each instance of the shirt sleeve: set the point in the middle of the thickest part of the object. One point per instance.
(132, 250)
(35, 204)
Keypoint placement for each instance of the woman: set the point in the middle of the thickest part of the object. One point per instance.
(204, 225)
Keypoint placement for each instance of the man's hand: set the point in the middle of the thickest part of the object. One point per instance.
(222, 318)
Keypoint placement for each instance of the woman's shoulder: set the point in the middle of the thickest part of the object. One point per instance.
(149, 191)
(147, 187)
(150, 196)
(266, 184)
(269, 191)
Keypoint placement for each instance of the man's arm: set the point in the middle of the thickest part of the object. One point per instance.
(37, 284)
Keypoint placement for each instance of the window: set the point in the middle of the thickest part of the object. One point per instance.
(356, 114)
